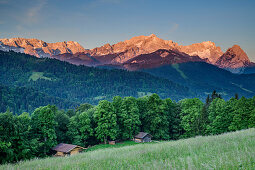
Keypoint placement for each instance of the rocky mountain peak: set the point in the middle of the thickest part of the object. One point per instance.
(234, 57)
(205, 50)
(152, 39)
(133, 47)
(152, 35)
(238, 50)
(107, 46)
(208, 44)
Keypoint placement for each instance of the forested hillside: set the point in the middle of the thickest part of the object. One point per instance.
(202, 78)
(80, 83)
(22, 99)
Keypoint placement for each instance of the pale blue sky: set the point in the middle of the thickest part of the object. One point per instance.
(93, 23)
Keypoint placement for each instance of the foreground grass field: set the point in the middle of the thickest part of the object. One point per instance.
(228, 151)
(117, 145)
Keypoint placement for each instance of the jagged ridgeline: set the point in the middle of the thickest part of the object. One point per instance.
(81, 84)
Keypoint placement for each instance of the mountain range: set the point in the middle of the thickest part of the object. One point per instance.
(139, 52)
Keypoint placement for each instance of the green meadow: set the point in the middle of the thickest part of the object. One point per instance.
(235, 150)
(38, 75)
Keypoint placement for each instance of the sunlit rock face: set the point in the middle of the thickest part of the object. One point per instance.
(147, 44)
(205, 50)
(131, 48)
(11, 48)
(234, 57)
(40, 48)
(123, 52)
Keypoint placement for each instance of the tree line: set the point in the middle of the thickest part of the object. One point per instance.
(26, 136)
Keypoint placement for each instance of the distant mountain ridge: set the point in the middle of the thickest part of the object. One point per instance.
(123, 52)
(40, 48)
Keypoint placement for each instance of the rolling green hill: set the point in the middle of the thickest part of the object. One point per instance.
(80, 83)
(233, 150)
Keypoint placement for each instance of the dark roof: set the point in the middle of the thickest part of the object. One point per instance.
(62, 147)
(141, 135)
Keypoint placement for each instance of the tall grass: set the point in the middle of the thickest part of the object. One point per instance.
(234, 150)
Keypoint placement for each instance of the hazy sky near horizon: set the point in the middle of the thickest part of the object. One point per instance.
(93, 23)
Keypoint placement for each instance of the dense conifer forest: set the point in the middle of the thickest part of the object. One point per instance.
(23, 99)
(25, 136)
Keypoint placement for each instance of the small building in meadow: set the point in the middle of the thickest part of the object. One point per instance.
(142, 137)
(63, 149)
(113, 142)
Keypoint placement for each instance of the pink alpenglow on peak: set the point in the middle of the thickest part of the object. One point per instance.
(205, 50)
(133, 47)
(234, 57)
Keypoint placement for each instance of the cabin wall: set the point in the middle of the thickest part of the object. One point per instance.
(75, 151)
(147, 139)
(59, 154)
(112, 142)
(138, 140)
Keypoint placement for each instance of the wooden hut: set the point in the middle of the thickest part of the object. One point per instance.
(142, 137)
(113, 142)
(63, 149)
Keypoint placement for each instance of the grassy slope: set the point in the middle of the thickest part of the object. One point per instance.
(38, 75)
(228, 151)
(117, 145)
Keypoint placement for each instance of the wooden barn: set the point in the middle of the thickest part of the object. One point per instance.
(142, 137)
(63, 149)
